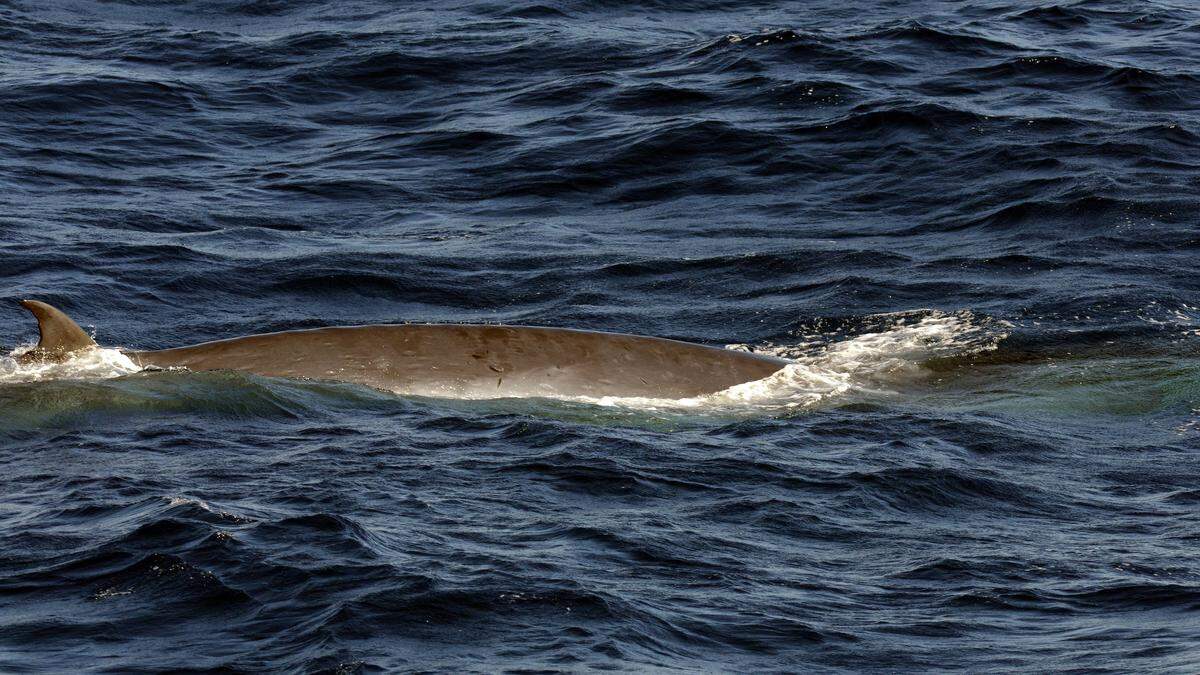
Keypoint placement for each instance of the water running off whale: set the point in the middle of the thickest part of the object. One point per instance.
(489, 361)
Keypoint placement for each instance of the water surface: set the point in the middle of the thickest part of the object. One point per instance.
(971, 225)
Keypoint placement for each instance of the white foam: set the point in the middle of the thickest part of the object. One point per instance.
(870, 365)
(184, 501)
(85, 364)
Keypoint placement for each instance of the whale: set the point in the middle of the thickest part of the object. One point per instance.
(446, 360)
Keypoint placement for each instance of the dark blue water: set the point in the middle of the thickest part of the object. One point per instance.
(973, 225)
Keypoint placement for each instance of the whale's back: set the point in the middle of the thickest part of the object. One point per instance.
(480, 361)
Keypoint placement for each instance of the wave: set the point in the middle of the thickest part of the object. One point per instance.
(1095, 16)
(1121, 83)
(937, 38)
(66, 95)
(166, 579)
(754, 51)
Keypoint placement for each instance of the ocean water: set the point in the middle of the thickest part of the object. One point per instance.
(971, 226)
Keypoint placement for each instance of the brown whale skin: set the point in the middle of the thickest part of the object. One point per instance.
(452, 360)
(479, 361)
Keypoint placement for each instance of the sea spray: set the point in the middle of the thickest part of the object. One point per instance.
(86, 364)
(869, 365)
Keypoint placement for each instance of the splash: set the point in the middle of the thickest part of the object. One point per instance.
(86, 364)
(868, 366)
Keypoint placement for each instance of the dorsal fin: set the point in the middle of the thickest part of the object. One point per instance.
(60, 335)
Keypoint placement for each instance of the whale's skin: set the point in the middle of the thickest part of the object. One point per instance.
(448, 360)
(479, 361)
